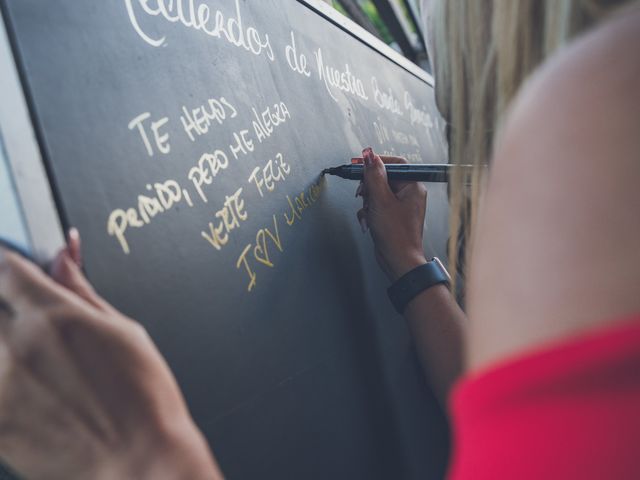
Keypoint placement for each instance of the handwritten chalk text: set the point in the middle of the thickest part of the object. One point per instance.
(260, 252)
(201, 17)
(228, 219)
(334, 79)
(164, 196)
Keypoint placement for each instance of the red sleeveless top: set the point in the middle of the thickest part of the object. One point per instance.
(570, 411)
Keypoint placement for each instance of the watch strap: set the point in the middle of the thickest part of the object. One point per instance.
(407, 287)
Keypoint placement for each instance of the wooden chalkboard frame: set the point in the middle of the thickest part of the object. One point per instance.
(24, 155)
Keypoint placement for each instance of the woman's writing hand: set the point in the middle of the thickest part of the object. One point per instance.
(394, 213)
(84, 393)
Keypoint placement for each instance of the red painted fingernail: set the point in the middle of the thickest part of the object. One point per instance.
(75, 242)
(367, 154)
(74, 235)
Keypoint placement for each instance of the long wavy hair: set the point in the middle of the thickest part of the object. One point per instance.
(482, 52)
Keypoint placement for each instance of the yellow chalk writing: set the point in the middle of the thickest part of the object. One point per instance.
(273, 172)
(228, 219)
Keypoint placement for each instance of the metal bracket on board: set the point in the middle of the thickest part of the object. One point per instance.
(24, 158)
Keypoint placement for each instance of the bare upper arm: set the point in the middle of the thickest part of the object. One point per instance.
(557, 246)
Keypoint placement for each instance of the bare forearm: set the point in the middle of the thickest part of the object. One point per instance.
(437, 323)
(395, 215)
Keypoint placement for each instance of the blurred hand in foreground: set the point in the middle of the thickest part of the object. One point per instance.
(84, 393)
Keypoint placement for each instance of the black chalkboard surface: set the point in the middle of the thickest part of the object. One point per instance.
(185, 139)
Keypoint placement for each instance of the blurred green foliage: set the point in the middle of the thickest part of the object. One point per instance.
(372, 12)
(339, 7)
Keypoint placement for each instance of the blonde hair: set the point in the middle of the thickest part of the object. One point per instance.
(483, 52)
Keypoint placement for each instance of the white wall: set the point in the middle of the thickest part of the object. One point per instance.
(12, 225)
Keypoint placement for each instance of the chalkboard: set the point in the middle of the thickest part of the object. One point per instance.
(185, 139)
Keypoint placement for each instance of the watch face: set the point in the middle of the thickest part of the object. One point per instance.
(442, 267)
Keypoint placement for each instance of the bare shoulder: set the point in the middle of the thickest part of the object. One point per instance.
(557, 244)
(593, 83)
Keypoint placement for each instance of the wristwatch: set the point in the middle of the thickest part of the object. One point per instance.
(407, 287)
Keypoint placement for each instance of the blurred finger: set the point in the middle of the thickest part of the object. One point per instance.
(67, 273)
(65, 269)
(74, 246)
(360, 189)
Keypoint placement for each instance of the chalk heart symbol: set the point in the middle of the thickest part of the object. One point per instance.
(260, 250)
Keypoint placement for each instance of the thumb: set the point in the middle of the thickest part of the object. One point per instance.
(375, 180)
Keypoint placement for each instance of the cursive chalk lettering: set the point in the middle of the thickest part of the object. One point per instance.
(335, 79)
(386, 99)
(199, 16)
(382, 132)
(301, 202)
(416, 115)
(297, 61)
